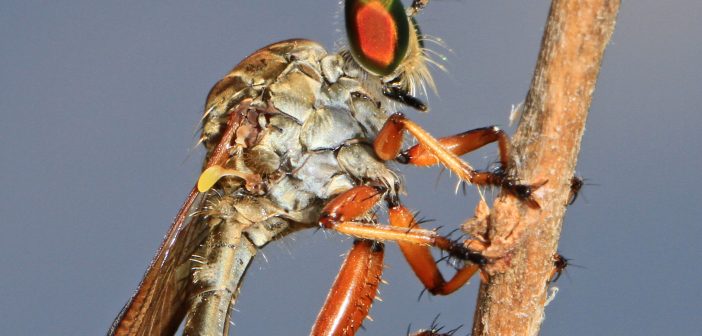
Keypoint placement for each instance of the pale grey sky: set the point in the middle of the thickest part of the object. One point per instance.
(99, 103)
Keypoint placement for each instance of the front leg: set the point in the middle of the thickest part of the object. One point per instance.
(432, 151)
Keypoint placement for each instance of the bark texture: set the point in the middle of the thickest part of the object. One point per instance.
(545, 148)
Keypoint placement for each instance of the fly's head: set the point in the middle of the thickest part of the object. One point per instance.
(385, 41)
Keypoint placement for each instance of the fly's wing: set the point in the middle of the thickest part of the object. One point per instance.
(160, 302)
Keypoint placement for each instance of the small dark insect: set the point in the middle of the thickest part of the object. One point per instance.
(576, 184)
(559, 266)
(434, 330)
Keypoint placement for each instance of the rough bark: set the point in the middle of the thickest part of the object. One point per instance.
(545, 148)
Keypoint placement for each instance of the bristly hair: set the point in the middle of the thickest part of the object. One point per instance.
(413, 72)
(419, 56)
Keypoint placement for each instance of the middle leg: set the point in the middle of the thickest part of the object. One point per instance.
(353, 291)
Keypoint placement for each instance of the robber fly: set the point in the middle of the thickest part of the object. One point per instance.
(298, 137)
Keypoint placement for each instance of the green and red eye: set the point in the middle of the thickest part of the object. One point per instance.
(378, 33)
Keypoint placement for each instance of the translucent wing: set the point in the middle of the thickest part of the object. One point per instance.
(159, 304)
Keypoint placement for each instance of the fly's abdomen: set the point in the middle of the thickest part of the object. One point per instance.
(217, 277)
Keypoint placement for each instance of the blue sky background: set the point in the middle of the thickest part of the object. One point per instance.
(99, 103)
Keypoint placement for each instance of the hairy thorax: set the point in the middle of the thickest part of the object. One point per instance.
(306, 136)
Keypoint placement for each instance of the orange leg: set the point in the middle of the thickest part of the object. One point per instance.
(350, 205)
(351, 296)
(339, 214)
(460, 144)
(422, 262)
(353, 291)
(432, 151)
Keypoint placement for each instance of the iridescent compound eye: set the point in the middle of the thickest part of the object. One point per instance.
(378, 32)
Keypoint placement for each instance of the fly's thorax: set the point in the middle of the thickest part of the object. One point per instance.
(250, 78)
(307, 131)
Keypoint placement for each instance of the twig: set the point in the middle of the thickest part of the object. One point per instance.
(545, 147)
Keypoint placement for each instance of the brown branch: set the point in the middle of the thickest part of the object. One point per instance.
(545, 147)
